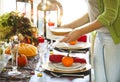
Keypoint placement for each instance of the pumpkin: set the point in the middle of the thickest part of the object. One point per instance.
(27, 49)
(24, 48)
(67, 61)
(73, 42)
(22, 60)
(7, 50)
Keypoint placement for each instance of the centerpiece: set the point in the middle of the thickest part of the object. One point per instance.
(15, 23)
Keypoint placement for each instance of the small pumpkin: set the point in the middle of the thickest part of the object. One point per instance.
(67, 61)
(73, 42)
(22, 60)
(7, 51)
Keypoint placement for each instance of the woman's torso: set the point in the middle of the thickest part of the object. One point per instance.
(93, 12)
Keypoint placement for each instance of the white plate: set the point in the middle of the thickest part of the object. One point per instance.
(79, 45)
(59, 66)
(60, 31)
(61, 69)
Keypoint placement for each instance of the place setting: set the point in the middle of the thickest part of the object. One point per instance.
(60, 65)
(81, 45)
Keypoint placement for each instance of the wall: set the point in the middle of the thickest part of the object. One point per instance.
(7, 6)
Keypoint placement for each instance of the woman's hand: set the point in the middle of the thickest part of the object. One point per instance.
(77, 32)
(74, 35)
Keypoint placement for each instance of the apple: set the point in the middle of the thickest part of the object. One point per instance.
(41, 39)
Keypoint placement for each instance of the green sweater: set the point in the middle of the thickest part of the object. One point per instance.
(110, 17)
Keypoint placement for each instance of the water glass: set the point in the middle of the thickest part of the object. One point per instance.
(14, 53)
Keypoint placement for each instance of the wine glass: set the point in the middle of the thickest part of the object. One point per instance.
(14, 44)
(42, 51)
(1, 51)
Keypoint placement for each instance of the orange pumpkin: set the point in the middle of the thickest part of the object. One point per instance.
(7, 51)
(67, 61)
(27, 49)
(22, 60)
(73, 42)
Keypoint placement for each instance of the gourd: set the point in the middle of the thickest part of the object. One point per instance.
(67, 61)
(22, 60)
(73, 42)
(27, 49)
(7, 50)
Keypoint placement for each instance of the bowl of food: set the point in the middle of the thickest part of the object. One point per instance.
(60, 31)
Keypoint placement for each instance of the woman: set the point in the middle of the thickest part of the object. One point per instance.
(104, 16)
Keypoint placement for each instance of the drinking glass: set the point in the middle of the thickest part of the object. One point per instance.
(1, 51)
(14, 44)
(42, 51)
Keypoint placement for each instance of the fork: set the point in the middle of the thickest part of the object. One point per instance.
(60, 75)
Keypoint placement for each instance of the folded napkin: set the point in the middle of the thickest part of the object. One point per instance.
(58, 58)
(82, 38)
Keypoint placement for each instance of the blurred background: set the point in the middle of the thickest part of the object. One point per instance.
(72, 9)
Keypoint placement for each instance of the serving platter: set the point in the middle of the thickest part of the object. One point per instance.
(60, 31)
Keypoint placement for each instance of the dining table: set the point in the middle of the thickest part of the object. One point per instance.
(83, 75)
(33, 72)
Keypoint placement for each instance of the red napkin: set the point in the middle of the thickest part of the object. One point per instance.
(55, 58)
(82, 38)
(79, 60)
(58, 58)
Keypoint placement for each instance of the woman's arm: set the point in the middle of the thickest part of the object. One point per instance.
(110, 13)
(77, 32)
(79, 22)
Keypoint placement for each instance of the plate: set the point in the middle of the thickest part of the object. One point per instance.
(79, 45)
(60, 31)
(57, 67)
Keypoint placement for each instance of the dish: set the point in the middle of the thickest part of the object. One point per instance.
(60, 69)
(60, 31)
(59, 66)
(79, 45)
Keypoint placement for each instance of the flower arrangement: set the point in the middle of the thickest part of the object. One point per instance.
(14, 23)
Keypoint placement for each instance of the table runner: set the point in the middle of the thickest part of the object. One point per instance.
(26, 71)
